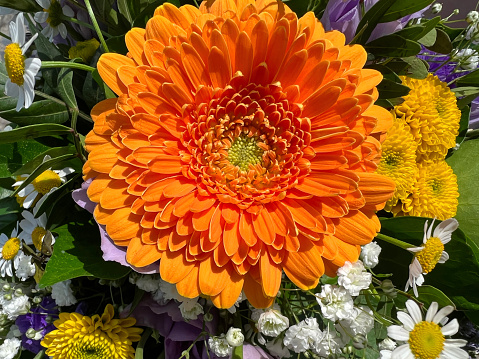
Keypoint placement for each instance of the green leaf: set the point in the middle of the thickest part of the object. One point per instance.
(124, 10)
(393, 46)
(44, 111)
(428, 39)
(471, 79)
(237, 352)
(14, 155)
(33, 131)
(371, 19)
(30, 166)
(117, 44)
(463, 165)
(65, 87)
(77, 253)
(399, 9)
(9, 206)
(463, 124)
(390, 89)
(417, 68)
(21, 5)
(459, 276)
(443, 43)
(429, 294)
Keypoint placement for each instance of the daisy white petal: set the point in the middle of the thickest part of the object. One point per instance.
(62, 30)
(41, 17)
(455, 352)
(450, 328)
(431, 312)
(444, 312)
(402, 352)
(406, 320)
(21, 99)
(44, 3)
(26, 46)
(397, 332)
(68, 11)
(444, 257)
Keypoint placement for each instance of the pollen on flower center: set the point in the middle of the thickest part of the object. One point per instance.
(426, 340)
(93, 346)
(392, 158)
(244, 152)
(46, 181)
(11, 248)
(55, 13)
(37, 237)
(15, 63)
(431, 254)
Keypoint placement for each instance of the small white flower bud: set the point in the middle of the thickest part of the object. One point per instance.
(436, 8)
(6, 287)
(37, 300)
(208, 317)
(472, 17)
(30, 334)
(7, 296)
(18, 292)
(49, 319)
(234, 337)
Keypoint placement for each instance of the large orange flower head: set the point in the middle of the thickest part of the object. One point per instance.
(243, 143)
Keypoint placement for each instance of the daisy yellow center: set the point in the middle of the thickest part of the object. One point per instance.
(55, 13)
(244, 152)
(37, 237)
(96, 345)
(15, 63)
(426, 340)
(46, 181)
(431, 254)
(11, 248)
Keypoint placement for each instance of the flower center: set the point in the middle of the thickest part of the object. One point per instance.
(431, 254)
(435, 186)
(11, 248)
(96, 345)
(245, 152)
(392, 158)
(46, 181)
(426, 340)
(15, 63)
(55, 13)
(37, 237)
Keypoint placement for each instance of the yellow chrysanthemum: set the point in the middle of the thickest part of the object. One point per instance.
(398, 160)
(431, 110)
(96, 337)
(434, 193)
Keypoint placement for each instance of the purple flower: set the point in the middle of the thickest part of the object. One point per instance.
(111, 252)
(436, 61)
(178, 334)
(345, 16)
(37, 320)
(474, 117)
(254, 352)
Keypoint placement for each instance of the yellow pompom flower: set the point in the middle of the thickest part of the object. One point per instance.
(84, 50)
(434, 193)
(431, 111)
(83, 337)
(398, 160)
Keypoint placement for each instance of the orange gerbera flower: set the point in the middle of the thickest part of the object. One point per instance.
(243, 143)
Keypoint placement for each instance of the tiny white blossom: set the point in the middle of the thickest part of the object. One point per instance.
(220, 346)
(303, 336)
(14, 305)
(472, 17)
(353, 277)
(329, 344)
(190, 308)
(468, 59)
(385, 354)
(146, 282)
(270, 322)
(370, 254)
(336, 302)
(51, 16)
(436, 8)
(24, 266)
(361, 321)
(63, 294)
(234, 337)
(241, 297)
(387, 344)
(9, 348)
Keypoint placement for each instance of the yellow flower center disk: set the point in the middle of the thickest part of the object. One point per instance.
(55, 13)
(46, 181)
(426, 340)
(245, 152)
(15, 63)
(11, 248)
(431, 254)
(96, 345)
(37, 237)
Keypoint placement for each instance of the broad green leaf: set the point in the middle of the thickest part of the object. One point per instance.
(390, 89)
(7, 221)
(117, 44)
(65, 87)
(464, 166)
(371, 19)
(237, 352)
(33, 131)
(21, 5)
(9, 206)
(459, 276)
(44, 111)
(37, 161)
(55, 198)
(393, 46)
(399, 9)
(6, 183)
(453, 33)
(14, 155)
(471, 79)
(124, 10)
(429, 294)
(77, 253)
(428, 39)
(417, 68)
(443, 43)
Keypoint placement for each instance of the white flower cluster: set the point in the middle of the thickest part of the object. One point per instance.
(269, 322)
(62, 293)
(13, 302)
(10, 348)
(220, 346)
(353, 277)
(370, 254)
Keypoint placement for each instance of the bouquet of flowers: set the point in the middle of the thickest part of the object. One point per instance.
(251, 179)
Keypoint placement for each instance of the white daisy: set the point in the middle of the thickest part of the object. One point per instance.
(7, 11)
(42, 185)
(21, 71)
(52, 16)
(34, 230)
(11, 255)
(426, 338)
(431, 252)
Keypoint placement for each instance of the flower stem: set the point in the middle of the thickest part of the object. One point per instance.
(95, 25)
(394, 241)
(5, 36)
(72, 65)
(84, 24)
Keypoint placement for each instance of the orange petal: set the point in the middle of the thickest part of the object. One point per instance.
(141, 255)
(375, 188)
(103, 158)
(218, 68)
(270, 274)
(115, 195)
(231, 238)
(356, 228)
(161, 29)
(229, 295)
(108, 65)
(174, 266)
(264, 226)
(123, 224)
(254, 293)
(179, 188)
(189, 286)
(135, 39)
(212, 279)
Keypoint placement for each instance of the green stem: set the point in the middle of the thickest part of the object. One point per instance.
(394, 241)
(71, 65)
(5, 36)
(95, 25)
(84, 24)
